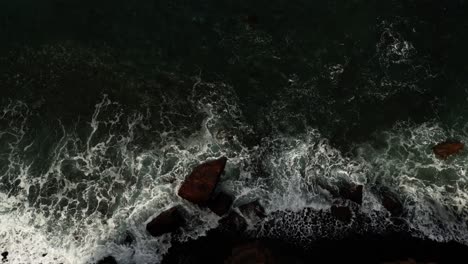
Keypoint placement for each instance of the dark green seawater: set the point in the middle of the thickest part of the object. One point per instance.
(105, 106)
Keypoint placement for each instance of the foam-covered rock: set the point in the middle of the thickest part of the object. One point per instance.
(352, 193)
(233, 222)
(200, 184)
(166, 222)
(392, 204)
(220, 204)
(447, 148)
(253, 210)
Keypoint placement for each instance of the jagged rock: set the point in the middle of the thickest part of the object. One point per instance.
(220, 204)
(200, 184)
(166, 222)
(352, 193)
(253, 210)
(233, 222)
(107, 260)
(342, 213)
(447, 148)
(392, 204)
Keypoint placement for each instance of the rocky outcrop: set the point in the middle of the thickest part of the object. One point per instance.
(200, 184)
(392, 204)
(352, 193)
(220, 204)
(166, 222)
(448, 148)
(253, 210)
(342, 213)
(233, 222)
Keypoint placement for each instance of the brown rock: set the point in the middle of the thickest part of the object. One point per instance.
(166, 222)
(342, 213)
(221, 204)
(445, 149)
(352, 193)
(252, 210)
(200, 184)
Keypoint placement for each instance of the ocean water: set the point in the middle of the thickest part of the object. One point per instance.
(105, 108)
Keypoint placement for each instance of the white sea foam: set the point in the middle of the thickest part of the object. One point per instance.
(94, 190)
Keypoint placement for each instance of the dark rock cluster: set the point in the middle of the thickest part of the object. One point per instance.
(228, 241)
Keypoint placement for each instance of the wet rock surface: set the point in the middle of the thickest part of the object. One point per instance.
(166, 222)
(392, 203)
(352, 193)
(448, 148)
(229, 243)
(220, 204)
(200, 184)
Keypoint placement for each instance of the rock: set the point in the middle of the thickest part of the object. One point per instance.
(166, 222)
(352, 193)
(107, 260)
(342, 213)
(447, 148)
(253, 210)
(251, 253)
(251, 20)
(200, 184)
(220, 204)
(233, 222)
(4, 256)
(128, 240)
(392, 204)
(45, 254)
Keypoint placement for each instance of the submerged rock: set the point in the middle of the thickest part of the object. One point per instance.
(342, 213)
(447, 148)
(166, 222)
(107, 260)
(392, 204)
(233, 222)
(352, 193)
(200, 184)
(253, 210)
(220, 204)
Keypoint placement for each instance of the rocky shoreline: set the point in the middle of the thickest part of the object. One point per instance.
(233, 243)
